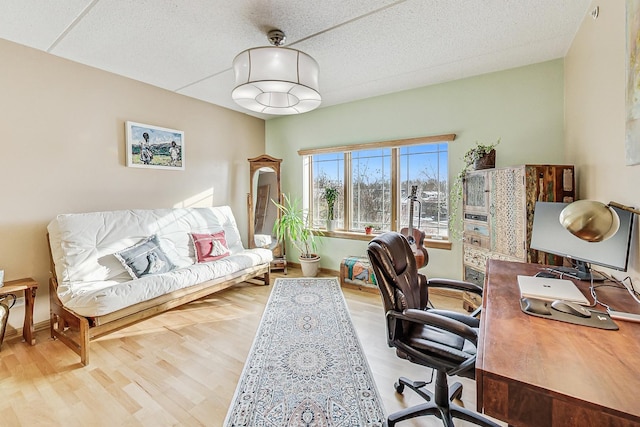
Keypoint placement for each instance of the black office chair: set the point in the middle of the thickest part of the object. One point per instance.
(440, 339)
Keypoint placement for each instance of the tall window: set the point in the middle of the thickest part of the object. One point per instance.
(371, 189)
(375, 182)
(328, 171)
(425, 167)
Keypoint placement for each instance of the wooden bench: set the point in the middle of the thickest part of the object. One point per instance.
(356, 272)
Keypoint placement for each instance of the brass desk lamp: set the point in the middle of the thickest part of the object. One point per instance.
(591, 220)
(594, 222)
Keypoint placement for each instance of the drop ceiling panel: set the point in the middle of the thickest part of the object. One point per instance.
(166, 44)
(217, 90)
(364, 48)
(155, 41)
(435, 34)
(37, 23)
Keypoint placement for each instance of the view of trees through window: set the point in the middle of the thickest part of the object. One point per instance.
(364, 181)
(371, 189)
(328, 172)
(425, 166)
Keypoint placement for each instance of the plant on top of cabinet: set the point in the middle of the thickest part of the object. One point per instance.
(482, 156)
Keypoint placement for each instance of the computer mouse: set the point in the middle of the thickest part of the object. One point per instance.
(536, 306)
(570, 308)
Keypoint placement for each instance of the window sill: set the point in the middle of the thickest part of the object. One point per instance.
(354, 235)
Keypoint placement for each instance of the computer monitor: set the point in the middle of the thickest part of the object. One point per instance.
(548, 235)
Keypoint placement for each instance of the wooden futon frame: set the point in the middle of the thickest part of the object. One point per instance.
(77, 331)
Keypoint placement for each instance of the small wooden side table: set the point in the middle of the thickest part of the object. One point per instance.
(29, 286)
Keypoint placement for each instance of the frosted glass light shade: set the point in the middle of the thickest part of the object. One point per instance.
(276, 80)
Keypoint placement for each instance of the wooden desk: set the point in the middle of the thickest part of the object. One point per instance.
(539, 372)
(29, 286)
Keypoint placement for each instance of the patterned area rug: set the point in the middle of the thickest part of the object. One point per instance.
(306, 366)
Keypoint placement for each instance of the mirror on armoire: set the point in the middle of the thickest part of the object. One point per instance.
(264, 176)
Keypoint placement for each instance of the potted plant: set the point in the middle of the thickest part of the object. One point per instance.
(330, 196)
(292, 224)
(482, 156)
(368, 229)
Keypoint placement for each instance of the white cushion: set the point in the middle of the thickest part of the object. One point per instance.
(82, 247)
(96, 298)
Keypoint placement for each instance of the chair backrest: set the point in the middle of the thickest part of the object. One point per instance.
(403, 287)
(396, 272)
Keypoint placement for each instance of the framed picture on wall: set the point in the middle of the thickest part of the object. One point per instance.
(154, 147)
(632, 137)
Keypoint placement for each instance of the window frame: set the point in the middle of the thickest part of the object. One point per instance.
(394, 145)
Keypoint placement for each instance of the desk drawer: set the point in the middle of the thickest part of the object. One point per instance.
(476, 234)
(473, 276)
(475, 257)
(477, 240)
(476, 217)
(479, 228)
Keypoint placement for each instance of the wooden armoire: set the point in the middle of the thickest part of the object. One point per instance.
(497, 211)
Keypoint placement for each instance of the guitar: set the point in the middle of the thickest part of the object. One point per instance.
(414, 236)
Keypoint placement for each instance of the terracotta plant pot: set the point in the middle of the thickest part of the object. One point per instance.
(368, 230)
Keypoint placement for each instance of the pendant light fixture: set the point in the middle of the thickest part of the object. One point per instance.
(275, 79)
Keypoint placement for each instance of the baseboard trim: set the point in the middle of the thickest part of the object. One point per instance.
(323, 270)
(13, 334)
(361, 288)
(336, 273)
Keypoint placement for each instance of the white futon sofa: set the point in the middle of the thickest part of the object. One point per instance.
(111, 269)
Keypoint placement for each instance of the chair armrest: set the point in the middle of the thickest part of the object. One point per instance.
(424, 290)
(454, 284)
(467, 319)
(439, 321)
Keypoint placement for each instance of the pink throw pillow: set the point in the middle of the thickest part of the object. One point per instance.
(210, 247)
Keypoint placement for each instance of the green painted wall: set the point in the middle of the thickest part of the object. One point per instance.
(522, 106)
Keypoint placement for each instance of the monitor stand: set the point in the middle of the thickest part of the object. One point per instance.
(581, 271)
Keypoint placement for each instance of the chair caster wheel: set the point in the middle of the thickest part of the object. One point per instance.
(399, 387)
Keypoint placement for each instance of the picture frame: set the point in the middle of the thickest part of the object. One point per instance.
(154, 147)
(632, 131)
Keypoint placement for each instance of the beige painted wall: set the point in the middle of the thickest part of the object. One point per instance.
(595, 114)
(523, 106)
(63, 150)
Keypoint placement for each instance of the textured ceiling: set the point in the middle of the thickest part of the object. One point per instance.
(364, 48)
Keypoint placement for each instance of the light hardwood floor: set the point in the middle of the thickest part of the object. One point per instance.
(179, 368)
